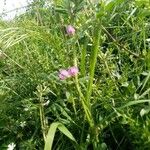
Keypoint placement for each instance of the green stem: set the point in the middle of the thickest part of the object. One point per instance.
(83, 101)
(83, 58)
(93, 60)
(74, 106)
(42, 120)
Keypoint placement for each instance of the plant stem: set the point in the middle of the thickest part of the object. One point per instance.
(42, 120)
(83, 101)
(93, 60)
(74, 106)
(83, 58)
(84, 104)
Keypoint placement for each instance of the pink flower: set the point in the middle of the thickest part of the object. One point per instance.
(73, 71)
(70, 30)
(63, 74)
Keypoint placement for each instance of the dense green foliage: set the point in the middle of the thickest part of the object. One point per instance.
(106, 106)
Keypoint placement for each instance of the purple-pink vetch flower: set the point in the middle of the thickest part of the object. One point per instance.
(70, 30)
(63, 74)
(73, 71)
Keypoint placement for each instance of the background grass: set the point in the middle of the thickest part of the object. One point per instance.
(34, 46)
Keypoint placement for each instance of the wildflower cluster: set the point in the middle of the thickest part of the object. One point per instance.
(70, 72)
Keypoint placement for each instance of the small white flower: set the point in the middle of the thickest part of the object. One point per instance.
(26, 109)
(147, 40)
(46, 103)
(11, 146)
(23, 124)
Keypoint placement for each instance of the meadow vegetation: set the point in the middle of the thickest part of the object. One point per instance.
(102, 102)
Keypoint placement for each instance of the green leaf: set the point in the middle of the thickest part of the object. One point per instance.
(65, 131)
(112, 3)
(144, 93)
(52, 131)
(135, 103)
(146, 81)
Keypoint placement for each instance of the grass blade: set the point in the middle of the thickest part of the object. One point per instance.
(51, 134)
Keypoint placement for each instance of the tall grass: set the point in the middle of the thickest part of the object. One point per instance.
(105, 106)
